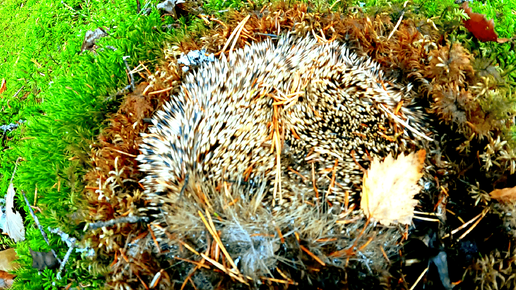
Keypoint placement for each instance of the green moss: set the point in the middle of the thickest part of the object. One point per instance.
(64, 102)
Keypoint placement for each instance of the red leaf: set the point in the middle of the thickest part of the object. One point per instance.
(2, 86)
(480, 27)
(6, 280)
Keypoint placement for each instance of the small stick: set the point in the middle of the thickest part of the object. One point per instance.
(39, 225)
(419, 279)
(65, 259)
(230, 272)
(112, 222)
(458, 217)
(67, 6)
(235, 40)
(129, 71)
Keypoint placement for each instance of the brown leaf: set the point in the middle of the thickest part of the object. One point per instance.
(6, 280)
(3, 86)
(389, 188)
(6, 260)
(480, 27)
(504, 194)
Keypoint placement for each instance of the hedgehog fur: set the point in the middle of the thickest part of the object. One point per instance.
(218, 126)
(211, 150)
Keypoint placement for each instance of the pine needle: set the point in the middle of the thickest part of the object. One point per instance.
(213, 232)
(312, 255)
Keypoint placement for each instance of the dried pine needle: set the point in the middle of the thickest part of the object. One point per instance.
(189, 247)
(217, 239)
(312, 255)
(474, 225)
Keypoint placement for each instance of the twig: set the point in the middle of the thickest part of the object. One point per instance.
(129, 71)
(419, 279)
(70, 241)
(39, 225)
(63, 263)
(112, 222)
(399, 21)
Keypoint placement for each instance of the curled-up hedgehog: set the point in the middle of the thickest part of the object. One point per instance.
(256, 166)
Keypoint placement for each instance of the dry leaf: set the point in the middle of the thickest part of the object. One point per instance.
(504, 194)
(3, 86)
(6, 260)
(13, 222)
(6, 280)
(480, 27)
(389, 188)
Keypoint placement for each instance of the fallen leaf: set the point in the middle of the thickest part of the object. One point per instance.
(43, 260)
(3, 86)
(480, 27)
(6, 280)
(6, 260)
(389, 188)
(12, 222)
(504, 194)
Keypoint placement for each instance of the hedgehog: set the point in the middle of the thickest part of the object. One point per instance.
(219, 125)
(289, 124)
